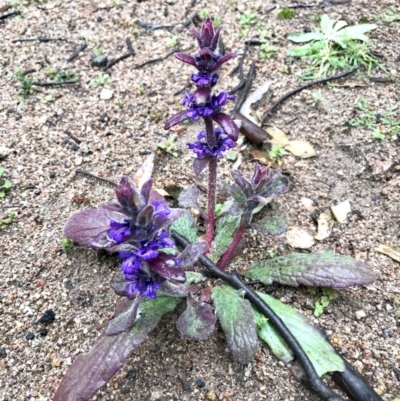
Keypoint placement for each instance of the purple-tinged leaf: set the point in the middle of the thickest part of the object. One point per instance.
(236, 316)
(224, 233)
(176, 290)
(224, 59)
(235, 209)
(175, 119)
(198, 320)
(89, 227)
(227, 124)
(238, 194)
(161, 222)
(145, 216)
(276, 185)
(321, 353)
(185, 226)
(125, 320)
(127, 194)
(243, 183)
(146, 190)
(113, 206)
(199, 164)
(189, 198)
(186, 59)
(118, 284)
(315, 269)
(165, 265)
(191, 254)
(271, 225)
(93, 370)
(214, 42)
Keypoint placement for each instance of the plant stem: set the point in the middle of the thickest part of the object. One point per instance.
(212, 191)
(227, 256)
(212, 184)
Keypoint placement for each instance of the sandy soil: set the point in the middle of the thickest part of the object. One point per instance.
(40, 159)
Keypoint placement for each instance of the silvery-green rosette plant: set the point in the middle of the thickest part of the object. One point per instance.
(154, 277)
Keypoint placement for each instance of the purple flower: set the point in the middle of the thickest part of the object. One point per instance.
(119, 232)
(202, 149)
(210, 109)
(204, 79)
(145, 284)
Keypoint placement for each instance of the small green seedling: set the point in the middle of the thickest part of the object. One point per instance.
(271, 254)
(317, 17)
(102, 80)
(377, 134)
(26, 87)
(169, 146)
(316, 99)
(66, 244)
(267, 51)
(98, 52)
(6, 186)
(285, 13)
(141, 90)
(7, 221)
(216, 21)
(392, 14)
(276, 152)
(328, 295)
(173, 42)
(247, 19)
(335, 46)
(204, 13)
(386, 120)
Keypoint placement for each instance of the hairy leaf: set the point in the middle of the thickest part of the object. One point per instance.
(198, 320)
(237, 321)
(118, 284)
(191, 254)
(167, 267)
(189, 198)
(185, 226)
(194, 277)
(315, 269)
(125, 320)
(271, 225)
(305, 37)
(91, 371)
(199, 164)
(226, 228)
(89, 227)
(321, 353)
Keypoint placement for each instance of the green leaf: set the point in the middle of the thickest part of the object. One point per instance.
(237, 321)
(185, 226)
(315, 269)
(91, 371)
(320, 352)
(193, 278)
(226, 228)
(306, 37)
(1, 171)
(271, 225)
(2, 194)
(357, 32)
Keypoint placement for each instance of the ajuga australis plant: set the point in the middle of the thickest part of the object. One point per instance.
(154, 277)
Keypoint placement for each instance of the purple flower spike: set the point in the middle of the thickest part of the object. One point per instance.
(202, 149)
(207, 38)
(144, 284)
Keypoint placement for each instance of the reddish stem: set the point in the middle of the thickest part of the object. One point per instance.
(227, 256)
(212, 192)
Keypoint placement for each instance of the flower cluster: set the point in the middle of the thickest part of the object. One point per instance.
(135, 227)
(202, 103)
(202, 150)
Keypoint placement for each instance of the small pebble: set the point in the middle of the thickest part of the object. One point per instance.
(3, 352)
(100, 61)
(200, 383)
(131, 374)
(30, 336)
(67, 164)
(360, 314)
(47, 317)
(43, 332)
(99, 19)
(75, 147)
